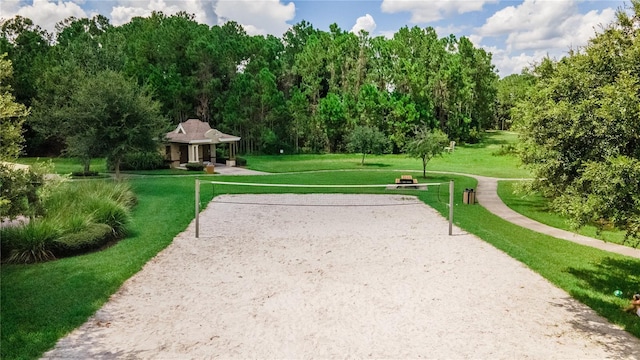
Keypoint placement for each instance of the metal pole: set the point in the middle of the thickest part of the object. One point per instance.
(450, 208)
(197, 208)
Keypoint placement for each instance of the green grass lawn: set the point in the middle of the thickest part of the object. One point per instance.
(63, 166)
(536, 207)
(487, 159)
(41, 303)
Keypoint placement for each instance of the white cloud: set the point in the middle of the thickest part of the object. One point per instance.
(387, 34)
(365, 23)
(509, 63)
(475, 39)
(43, 13)
(8, 8)
(425, 11)
(444, 31)
(536, 25)
(47, 13)
(536, 28)
(203, 10)
(258, 17)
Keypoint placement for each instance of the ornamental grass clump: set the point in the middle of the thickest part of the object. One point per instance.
(112, 213)
(30, 243)
(79, 216)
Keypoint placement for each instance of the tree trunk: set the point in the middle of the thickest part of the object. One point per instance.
(86, 163)
(424, 167)
(117, 166)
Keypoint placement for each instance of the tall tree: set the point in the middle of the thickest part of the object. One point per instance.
(583, 115)
(112, 116)
(511, 90)
(80, 51)
(26, 45)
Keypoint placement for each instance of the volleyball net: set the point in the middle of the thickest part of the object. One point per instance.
(400, 186)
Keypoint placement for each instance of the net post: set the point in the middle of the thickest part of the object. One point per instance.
(197, 207)
(450, 207)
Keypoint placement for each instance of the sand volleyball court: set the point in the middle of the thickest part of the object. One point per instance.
(378, 280)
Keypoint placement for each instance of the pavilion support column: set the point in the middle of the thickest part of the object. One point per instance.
(232, 155)
(193, 153)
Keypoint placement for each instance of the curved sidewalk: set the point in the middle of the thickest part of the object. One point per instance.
(487, 195)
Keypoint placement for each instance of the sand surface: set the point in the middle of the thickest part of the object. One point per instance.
(381, 279)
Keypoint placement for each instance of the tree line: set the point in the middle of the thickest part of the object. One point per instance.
(303, 92)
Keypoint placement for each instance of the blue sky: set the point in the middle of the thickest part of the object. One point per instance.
(517, 32)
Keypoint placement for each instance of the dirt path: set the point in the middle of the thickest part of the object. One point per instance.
(381, 279)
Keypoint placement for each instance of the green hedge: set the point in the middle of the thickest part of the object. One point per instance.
(93, 237)
(141, 161)
(195, 166)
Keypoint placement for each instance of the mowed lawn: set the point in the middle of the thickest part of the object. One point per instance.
(492, 157)
(41, 303)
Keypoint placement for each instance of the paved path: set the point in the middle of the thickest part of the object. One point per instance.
(487, 195)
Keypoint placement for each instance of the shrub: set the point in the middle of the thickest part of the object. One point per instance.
(90, 238)
(195, 166)
(241, 161)
(31, 243)
(85, 174)
(19, 190)
(474, 137)
(141, 161)
(508, 149)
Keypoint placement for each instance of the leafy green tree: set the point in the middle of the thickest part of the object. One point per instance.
(367, 140)
(12, 115)
(18, 187)
(26, 45)
(332, 115)
(110, 115)
(81, 50)
(607, 193)
(304, 91)
(297, 106)
(426, 144)
(582, 117)
(402, 119)
(511, 90)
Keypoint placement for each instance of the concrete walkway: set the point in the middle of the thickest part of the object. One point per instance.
(487, 195)
(235, 170)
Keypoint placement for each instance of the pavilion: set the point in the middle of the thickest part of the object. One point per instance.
(194, 141)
